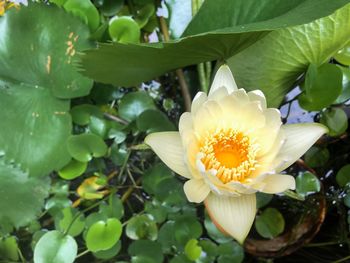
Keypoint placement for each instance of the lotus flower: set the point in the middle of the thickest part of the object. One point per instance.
(231, 146)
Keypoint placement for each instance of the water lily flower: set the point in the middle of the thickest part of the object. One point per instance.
(231, 146)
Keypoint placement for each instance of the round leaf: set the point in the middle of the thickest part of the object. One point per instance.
(307, 183)
(114, 208)
(343, 175)
(103, 235)
(85, 10)
(345, 94)
(154, 121)
(85, 146)
(192, 250)
(124, 30)
(142, 227)
(109, 253)
(343, 56)
(270, 223)
(147, 249)
(133, 104)
(55, 247)
(214, 233)
(9, 249)
(336, 120)
(81, 113)
(64, 221)
(109, 7)
(316, 156)
(186, 228)
(230, 252)
(262, 199)
(72, 170)
(322, 87)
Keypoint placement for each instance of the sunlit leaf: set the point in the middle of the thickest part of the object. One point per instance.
(270, 223)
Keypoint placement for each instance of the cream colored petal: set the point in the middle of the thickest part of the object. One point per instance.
(196, 190)
(233, 215)
(258, 95)
(198, 101)
(278, 183)
(219, 93)
(208, 117)
(299, 138)
(168, 147)
(223, 78)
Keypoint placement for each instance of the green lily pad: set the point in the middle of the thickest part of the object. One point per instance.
(270, 223)
(109, 7)
(63, 222)
(213, 232)
(214, 33)
(317, 92)
(343, 55)
(345, 93)
(154, 121)
(307, 183)
(81, 114)
(22, 196)
(144, 14)
(109, 253)
(124, 29)
(103, 235)
(83, 147)
(55, 247)
(114, 207)
(262, 199)
(145, 249)
(193, 250)
(134, 103)
(72, 170)
(277, 61)
(9, 249)
(142, 227)
(316, 156)
(343, 175)
(230, 252)
(336, 120)
(186, 228)
(85, 10)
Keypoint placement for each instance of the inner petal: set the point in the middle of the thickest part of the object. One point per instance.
(231, 153)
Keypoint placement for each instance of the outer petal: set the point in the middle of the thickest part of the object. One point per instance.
(278, 183)
(258, 95)
(299, 138)
(223, 78)
(168, 146)
(233, 215)
(196, 190)
(198, 101)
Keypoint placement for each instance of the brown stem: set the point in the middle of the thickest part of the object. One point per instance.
(179, 72)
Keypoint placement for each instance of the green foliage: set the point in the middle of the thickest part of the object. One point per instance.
(124, 30)
(145, 251)
(72, 170)
(55, 247)
(23, 196)
(274, 64)
(307, 183)
(142, 227)
(316, 156)
(103, 235)
(336, 120)
(9, 249)
(217, 39)
(343, 175)
(270, 223)
(321, 87)
(133, 104)
(230, 252)
(343, 55)
(193, 250)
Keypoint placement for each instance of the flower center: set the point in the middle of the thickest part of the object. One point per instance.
(229, 152)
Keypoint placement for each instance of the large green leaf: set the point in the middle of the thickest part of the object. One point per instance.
(22, 197)
(34, 127)
(38, 50)
(36, 71)
(214, 33)
(274, 63)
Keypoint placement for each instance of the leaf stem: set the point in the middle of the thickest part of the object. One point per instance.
(179, 72)
(294, 195)
(341, 260)
(82, 253)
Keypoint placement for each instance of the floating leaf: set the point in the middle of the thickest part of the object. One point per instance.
(142, 250)
(85, 10)
(9, 249)
(336, 120)
(144, 14)
(316, 156)
(192, 249)
(72, 170)
(343, 55)
(307, 183)
(186, 228)
(277, 61)
(103, 235)
(22, 197)
(345, 94)
(109, 7)
(322, 87)
(134, 103)
(241, 23)
(124, 30)
(81, 114)
(270, 223)
(230, 252)
(343, 175)
(154, 121)
(109, 253)
(262, 199)
(64, 222)
(141, 227)
(84, 147)
(114, 208)
(55, 247)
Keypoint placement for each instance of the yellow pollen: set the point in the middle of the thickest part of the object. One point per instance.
(229, 152)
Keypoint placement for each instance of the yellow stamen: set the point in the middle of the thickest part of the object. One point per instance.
(231, 153)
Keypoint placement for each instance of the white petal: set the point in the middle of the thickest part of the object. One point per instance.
(168, 146)
(278, 183)
(258, 95)
(233, 215)
(299, 138)
(185, 122)
(219, 93)
(198, 101)
(223, 78)
(196, 190)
